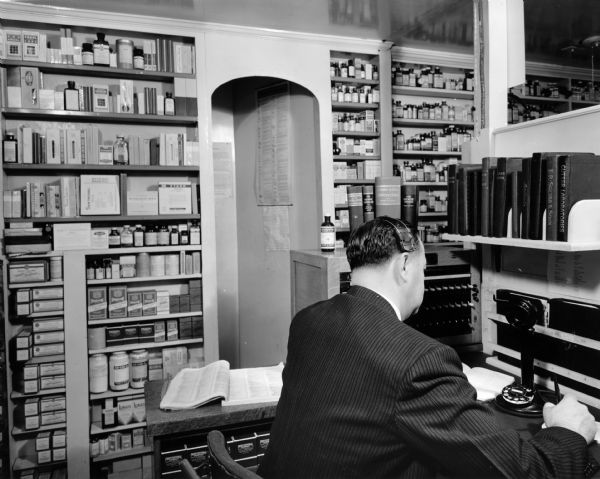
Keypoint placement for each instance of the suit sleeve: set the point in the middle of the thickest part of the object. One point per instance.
(444, 423)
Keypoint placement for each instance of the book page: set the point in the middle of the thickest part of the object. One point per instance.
(254, 385)
(192, 387)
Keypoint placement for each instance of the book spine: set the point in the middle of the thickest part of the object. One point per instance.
(485, 198)
(551, 196)
(475, 202)
(516, 192)
(409, 204)
(463, 205)
(535, 203)
(564, 171)
(368, 203)
(387, 196)
(452, 200)
(355, 206)
(526, 197)
(499, 224)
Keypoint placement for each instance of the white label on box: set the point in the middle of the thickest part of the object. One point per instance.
(53, 404)
(47, 325)
(52, 369)
(48, 349)
(52, 382)
(59, 439)
(47, 293)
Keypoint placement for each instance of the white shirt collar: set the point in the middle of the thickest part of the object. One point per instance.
(392, 305)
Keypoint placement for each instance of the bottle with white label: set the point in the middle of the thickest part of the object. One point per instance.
(327, 235)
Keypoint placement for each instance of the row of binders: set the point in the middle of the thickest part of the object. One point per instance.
(528, 198)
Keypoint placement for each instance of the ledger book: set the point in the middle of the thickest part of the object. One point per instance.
(193, 387)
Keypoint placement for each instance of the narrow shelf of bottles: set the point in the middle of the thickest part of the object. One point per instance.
(357, 134)
(355, 158)
(141, 319)
(430, 123)
(355, 181)
(348, 105)
(147, 345)
(90, 167)
(88, 116)
(144, 279)
(433, 92)
(353, 80)
(420, 153)
(98, 71)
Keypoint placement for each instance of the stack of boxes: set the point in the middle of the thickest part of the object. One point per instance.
(39, 412)
(38, 300)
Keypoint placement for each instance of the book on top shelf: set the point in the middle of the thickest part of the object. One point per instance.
(355, 206)
(387, 196)
(502, 196)
(408, 210)
(194, 387)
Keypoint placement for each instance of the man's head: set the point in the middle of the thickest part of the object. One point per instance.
(387, 257)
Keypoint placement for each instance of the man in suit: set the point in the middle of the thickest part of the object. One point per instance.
(365, 395)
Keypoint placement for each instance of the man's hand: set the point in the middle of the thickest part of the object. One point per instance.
(571, 414)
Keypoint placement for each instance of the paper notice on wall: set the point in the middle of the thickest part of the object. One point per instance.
(223, 169)
(276, 227)
(273, 161)
(574, 275)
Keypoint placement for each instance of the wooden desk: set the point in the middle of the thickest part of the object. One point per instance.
(185, 431)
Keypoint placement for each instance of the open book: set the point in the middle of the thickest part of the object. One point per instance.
(193, 387)
(488, 383)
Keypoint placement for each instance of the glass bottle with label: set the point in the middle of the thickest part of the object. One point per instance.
(169, 104)
(118, 369)
(163, 236)
(120, 151)
(327, 235)
(101, 51)
(87, 54)
(151, 236)
(174, 235)
(138, 236)
(184, 236)
(71, 96)
(126, 237)
(114, 238)
(195, 232)
(10, 149)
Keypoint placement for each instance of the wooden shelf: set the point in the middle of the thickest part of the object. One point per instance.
(132, 346)
(45, 314)
(37, 284)
(434, 214)
(123, 453)
(340, 207)
(541, 99)
(354, 182)
(115, 394)
(18, 432)
(353, 106)
(95, 117)
(15, 395)
(431, 123)
(107, 218)
(355, 134)
(145, 279)
(151, 169)
(420, 153)
(354, 81)
(525, 243)
(442, 184)
(95, 429)
(22, 464)
(433, 92)
(355, 158)
(141, 319)
(45, 359)
(97, 71)
(145, 249)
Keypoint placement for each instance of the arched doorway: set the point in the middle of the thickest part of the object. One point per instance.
(253, 240)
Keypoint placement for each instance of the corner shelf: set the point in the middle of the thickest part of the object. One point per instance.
(526, 243)
(144, 279)
(147, 345)
(141, 319)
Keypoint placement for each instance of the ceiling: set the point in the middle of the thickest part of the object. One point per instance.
(550, 25)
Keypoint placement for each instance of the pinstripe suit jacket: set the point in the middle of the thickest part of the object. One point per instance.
(365, 395)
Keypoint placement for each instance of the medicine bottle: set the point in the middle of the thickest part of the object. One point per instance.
(327, 235)
(126, 237)
(101, 51)
(87, 54)
(195, 232)
(150, 236)
(118, 371)
(138, 359)
(184, 236)
(163, 236)
(114, 238)
(169, 104)
(98, 370)
(138, 236)
(174, 235)
(71, 97)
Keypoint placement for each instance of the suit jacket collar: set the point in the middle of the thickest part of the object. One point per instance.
(376, 299)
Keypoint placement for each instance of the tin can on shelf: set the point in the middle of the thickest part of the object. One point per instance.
(138, 365)
(124, 53)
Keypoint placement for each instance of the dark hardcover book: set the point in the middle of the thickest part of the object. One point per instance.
(409, 195)
(387, 196)
(577, 180)
(452, 200)
(474, 199)
(553, 160)
(502, 196)
(525, 197)
(355, 206)
(368, 203)
(515, 193)
(464, 204)
(487, 163)
(492, 189)
(537, 197)
(154, 151)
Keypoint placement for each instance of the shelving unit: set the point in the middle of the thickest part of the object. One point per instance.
(135, 178)
(356, 127)
(525, 243)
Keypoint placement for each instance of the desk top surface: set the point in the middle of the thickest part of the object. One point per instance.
(213, 416)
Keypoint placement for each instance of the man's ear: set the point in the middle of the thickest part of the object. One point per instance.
(401, 267)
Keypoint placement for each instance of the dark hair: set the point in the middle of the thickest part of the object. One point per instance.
(376, 241)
